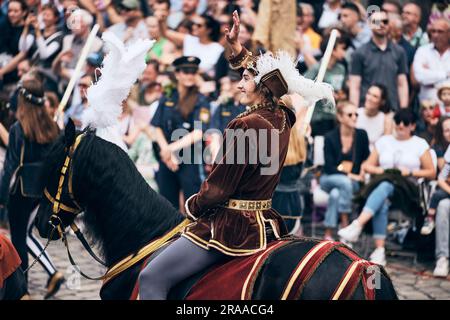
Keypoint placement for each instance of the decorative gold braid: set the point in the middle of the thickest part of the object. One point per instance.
(263, 106)
(252, 109)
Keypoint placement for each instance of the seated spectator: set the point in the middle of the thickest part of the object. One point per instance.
(380, 61)
(346, 147)
(441, 140)
(442, 231)
(443, 94)
(163, 50)
(48, 41)
(375, 116)
(352, 22)
(428, 121)
(10, 55)
(133, 27)
(432, 61)
(412, 15)
(202, 43)
(410, 156)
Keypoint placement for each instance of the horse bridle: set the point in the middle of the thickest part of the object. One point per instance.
(74, 208)
(56, 201)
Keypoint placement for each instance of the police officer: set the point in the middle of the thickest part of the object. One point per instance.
(180, 120)
(229, 106)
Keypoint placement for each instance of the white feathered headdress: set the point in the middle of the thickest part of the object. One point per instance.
(122, 66)
(310, 90)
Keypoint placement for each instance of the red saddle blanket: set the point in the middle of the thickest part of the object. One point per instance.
(9, 259)
(286, 278)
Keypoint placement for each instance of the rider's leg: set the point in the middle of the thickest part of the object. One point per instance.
(178, 261)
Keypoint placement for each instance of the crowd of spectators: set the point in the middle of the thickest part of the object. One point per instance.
(389, 68)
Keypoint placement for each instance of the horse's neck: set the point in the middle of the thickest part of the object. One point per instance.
(123, 222)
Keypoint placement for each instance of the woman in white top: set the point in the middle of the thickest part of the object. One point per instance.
(375, 116)
(404, 151)
(48, 40)
(201, 44)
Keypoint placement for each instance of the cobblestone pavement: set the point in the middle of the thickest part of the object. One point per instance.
(411, 280)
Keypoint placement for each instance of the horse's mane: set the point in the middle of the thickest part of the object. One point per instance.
(123, 213)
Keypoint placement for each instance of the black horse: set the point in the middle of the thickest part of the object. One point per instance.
(123, 214)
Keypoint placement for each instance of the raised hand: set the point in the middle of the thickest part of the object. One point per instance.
(232, 35)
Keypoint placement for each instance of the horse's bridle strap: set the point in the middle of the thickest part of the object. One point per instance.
(56, 201)
(59, 204)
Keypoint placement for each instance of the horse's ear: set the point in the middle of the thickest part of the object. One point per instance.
(70, 133)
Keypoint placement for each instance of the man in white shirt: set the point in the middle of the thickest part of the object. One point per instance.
(432, 61)
(133, 27)
(330, 14)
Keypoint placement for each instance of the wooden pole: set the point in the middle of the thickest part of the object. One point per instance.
(320, 76)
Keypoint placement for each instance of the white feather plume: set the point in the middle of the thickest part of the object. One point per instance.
(121, 67)
(310, 90)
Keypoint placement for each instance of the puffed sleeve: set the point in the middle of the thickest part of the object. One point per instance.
(226, 173)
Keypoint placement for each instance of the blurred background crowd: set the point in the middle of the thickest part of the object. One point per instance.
(382, 149)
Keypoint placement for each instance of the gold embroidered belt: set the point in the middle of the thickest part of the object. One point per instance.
(237, 204)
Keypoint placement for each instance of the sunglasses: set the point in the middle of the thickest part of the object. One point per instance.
(83, 85)
(352, 114)
(405, 122)
(378, 21)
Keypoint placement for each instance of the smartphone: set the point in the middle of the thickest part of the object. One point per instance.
(33, 11)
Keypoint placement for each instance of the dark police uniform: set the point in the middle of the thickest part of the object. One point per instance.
(224, 114)
(168, 117)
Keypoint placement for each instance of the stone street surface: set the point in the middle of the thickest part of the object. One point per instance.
(411, 280)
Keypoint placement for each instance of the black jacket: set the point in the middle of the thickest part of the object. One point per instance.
(333, 151)
(34, 152)
(406, 195)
